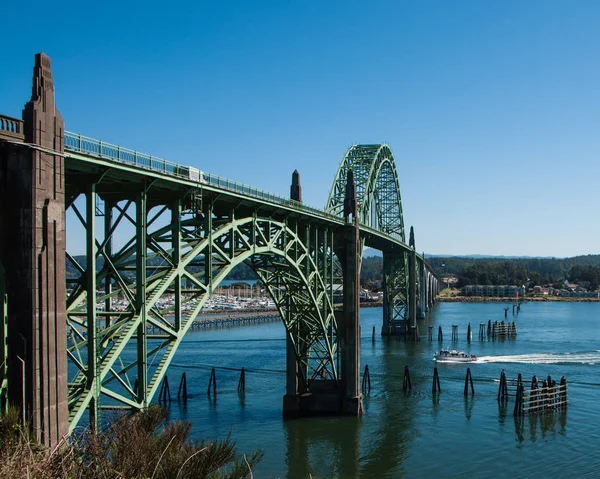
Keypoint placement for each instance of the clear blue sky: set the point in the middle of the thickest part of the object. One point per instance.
(492, 108)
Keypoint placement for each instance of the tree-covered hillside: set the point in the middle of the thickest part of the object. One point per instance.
(468, 270)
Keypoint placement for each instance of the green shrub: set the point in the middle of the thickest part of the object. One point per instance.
(140, 445)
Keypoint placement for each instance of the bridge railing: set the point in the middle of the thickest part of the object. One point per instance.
(101, 149)
(11, 127)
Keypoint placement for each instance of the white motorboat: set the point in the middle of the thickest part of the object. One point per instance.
(454, 356)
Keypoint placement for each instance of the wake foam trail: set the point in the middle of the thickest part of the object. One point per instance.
(545, 358)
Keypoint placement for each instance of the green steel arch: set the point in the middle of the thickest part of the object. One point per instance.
(119, 356)
(380, 207)
(377, 189)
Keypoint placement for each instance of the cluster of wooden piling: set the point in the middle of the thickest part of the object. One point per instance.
(164, 394)
(407, 384)
(541, 397)
(495, 330)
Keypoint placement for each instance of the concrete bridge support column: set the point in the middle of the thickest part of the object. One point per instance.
(32, 250)
(431, 289)
(291, 400)
(412, 289)
(422, 303)
(351, 326)
(388, 306)
(352, 402)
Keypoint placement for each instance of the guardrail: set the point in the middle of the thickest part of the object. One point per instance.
(90, 146)
(11, 127)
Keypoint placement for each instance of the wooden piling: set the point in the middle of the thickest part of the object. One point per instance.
(430, 334)
(407, 385)
(242, 382)
(454, 333)
(469, 333)
(519, 410)
(469, 381)
(373, 338)
(182, 392)
(482, 331)
(562, 401)
(550, 393)
(440, 335)
(366, 382)
(165, 391)
(503, 388)
(212, 383)
(435, 387)
(534, 395)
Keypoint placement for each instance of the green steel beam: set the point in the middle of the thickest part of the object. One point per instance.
(216, 244)
(91, 313)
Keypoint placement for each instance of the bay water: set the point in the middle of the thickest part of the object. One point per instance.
(417, 433)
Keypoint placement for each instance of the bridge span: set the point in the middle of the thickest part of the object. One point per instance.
(159, 238)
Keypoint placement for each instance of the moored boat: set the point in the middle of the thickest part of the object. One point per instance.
(453, 356)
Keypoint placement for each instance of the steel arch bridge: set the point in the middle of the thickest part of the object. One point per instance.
(212, 225)
(160, 237)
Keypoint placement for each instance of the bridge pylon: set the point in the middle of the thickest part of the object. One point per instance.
(32, 250)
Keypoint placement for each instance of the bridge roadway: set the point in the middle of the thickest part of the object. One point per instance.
(158, 235)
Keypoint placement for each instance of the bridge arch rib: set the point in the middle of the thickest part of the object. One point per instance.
(377, 189)
(295, 262)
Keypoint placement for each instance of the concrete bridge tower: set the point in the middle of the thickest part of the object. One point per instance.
(32, 251)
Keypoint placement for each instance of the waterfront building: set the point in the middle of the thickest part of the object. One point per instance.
(498, 291)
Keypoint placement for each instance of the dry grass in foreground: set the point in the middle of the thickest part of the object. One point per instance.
(140, 445)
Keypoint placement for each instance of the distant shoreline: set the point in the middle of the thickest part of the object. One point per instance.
(493, 299)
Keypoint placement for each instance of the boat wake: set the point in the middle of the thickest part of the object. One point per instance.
(545, 358)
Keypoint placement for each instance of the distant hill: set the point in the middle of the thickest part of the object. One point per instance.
(484, 256)
(476, 269)
(370, 252)
(241, 271)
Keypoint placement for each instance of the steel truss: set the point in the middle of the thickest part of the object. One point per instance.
(377, 189)
(147, 292)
